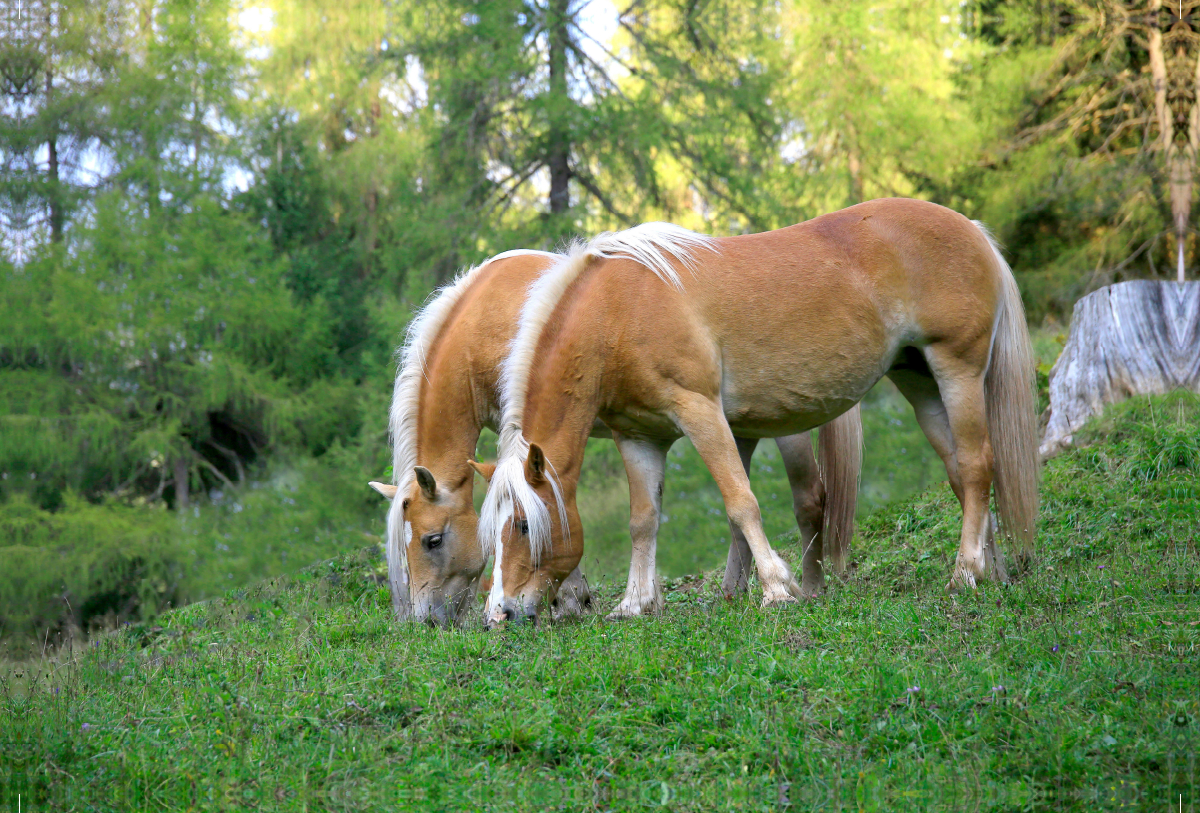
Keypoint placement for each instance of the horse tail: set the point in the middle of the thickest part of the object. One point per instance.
(1010, 394)
(839, 459)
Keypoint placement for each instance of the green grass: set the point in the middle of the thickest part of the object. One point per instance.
(1075, 688)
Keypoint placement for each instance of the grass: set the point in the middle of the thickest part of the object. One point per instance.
(1075, 688)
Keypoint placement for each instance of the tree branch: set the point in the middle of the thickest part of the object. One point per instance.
(586, 182)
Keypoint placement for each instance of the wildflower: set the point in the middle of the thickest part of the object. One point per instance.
(913, 689)
(1100, 567)
(1054, 648)
(85, 727)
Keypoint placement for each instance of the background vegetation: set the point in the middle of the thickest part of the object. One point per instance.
(218, 216)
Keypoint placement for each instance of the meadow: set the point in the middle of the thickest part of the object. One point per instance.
(1074, 688)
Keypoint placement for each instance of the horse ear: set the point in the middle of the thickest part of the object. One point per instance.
(535, 465)
(386, 490)
(486, 470)
(426, 482)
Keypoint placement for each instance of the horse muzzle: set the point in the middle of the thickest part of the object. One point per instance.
(512, 612)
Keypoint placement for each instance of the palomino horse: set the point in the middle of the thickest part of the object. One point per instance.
(661, 332)
(446, 391)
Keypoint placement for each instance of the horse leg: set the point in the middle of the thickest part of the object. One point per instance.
(644, 466)
(922, 393)
(961, 384)
(703, 421)
(808, 504)
(737, 564)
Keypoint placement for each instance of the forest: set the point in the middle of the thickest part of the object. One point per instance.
(218, 218)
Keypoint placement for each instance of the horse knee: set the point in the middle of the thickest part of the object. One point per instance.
(642, 526)
(743, 511)
(809, 508)
(975, 470)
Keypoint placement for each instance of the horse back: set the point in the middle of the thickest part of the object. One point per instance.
(793, 326)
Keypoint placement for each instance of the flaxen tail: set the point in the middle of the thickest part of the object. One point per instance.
(1010, 391)
(839, 458)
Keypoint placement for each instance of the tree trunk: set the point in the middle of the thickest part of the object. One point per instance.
(182, 476)
(1179, 139)
(55, 190)
(1132, 338)
(559, 148)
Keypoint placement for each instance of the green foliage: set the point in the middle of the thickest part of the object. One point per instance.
(156, 339)
(1070, 174)
(1070, 689)
(83, 565)
(87, 567)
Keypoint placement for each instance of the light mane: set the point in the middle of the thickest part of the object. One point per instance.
(422, 331)
(658, 247)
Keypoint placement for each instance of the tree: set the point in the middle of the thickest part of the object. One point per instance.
(56, 58)
(152, 345)
(1094, 165)
(1117, 102)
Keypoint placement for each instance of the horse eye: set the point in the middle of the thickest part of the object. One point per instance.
(525, 527)
(432, 541)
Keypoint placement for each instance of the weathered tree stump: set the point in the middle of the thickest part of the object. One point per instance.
(1132, 338)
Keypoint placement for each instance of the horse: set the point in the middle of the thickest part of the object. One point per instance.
(661, 332)
(446, 391)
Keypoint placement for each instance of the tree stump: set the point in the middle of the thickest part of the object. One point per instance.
(1132, 338)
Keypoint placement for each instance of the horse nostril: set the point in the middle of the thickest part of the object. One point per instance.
(509, 615)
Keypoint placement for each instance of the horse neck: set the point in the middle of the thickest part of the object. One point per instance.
(564, 397)
(450, 416)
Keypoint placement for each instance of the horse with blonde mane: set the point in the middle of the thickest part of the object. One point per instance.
(660, 333)
(447, 390)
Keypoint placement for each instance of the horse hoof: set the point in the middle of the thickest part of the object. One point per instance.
(779, 601)
(780, 596)
(624, 610)
(961, 580)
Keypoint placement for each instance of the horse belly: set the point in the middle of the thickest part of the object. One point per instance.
(797, 393)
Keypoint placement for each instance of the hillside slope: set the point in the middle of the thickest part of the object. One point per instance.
(1073, 689)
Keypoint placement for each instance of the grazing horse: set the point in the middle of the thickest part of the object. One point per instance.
(661, 332)
(447, 390)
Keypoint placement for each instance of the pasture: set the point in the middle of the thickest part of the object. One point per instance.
(1075, 688)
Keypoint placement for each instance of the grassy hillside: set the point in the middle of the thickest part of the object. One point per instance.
(1073, 689)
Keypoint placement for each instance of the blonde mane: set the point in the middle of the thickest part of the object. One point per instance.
(422, 331)
(656, 246)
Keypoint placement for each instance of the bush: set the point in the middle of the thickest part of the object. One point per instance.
(84, 565)
(88, 566)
